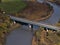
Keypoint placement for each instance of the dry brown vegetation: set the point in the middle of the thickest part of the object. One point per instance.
(4, 23)
(35, 11)
(53, 38)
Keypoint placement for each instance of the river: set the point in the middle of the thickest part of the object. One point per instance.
(22, 37)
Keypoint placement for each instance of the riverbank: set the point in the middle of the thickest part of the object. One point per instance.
(5, 33)
(14, 26)
(42, 38)
(6, 26)
(34, 41)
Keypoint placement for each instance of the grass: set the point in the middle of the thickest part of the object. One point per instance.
(9, 0)
(12, 6)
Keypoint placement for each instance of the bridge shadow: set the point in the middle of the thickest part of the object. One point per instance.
(22, 23)
(33, 27)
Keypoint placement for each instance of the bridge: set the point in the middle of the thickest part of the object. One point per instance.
(35, 23)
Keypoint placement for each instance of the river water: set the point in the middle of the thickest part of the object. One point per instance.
(22, 37)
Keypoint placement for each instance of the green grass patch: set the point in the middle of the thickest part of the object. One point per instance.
(12, 6)
(10, 0)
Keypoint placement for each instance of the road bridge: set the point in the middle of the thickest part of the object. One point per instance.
(35, 23)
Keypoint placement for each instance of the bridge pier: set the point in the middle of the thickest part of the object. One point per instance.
(46, 29)
(47, 32)
(30, 27)
(14, 22)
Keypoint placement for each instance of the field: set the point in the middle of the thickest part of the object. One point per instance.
(12, 6)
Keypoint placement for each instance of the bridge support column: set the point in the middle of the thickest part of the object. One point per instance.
(46, 29)
(14, 22)
(47, 32)
(30, 27)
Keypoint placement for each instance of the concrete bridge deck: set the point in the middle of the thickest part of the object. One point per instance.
(35, 23)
